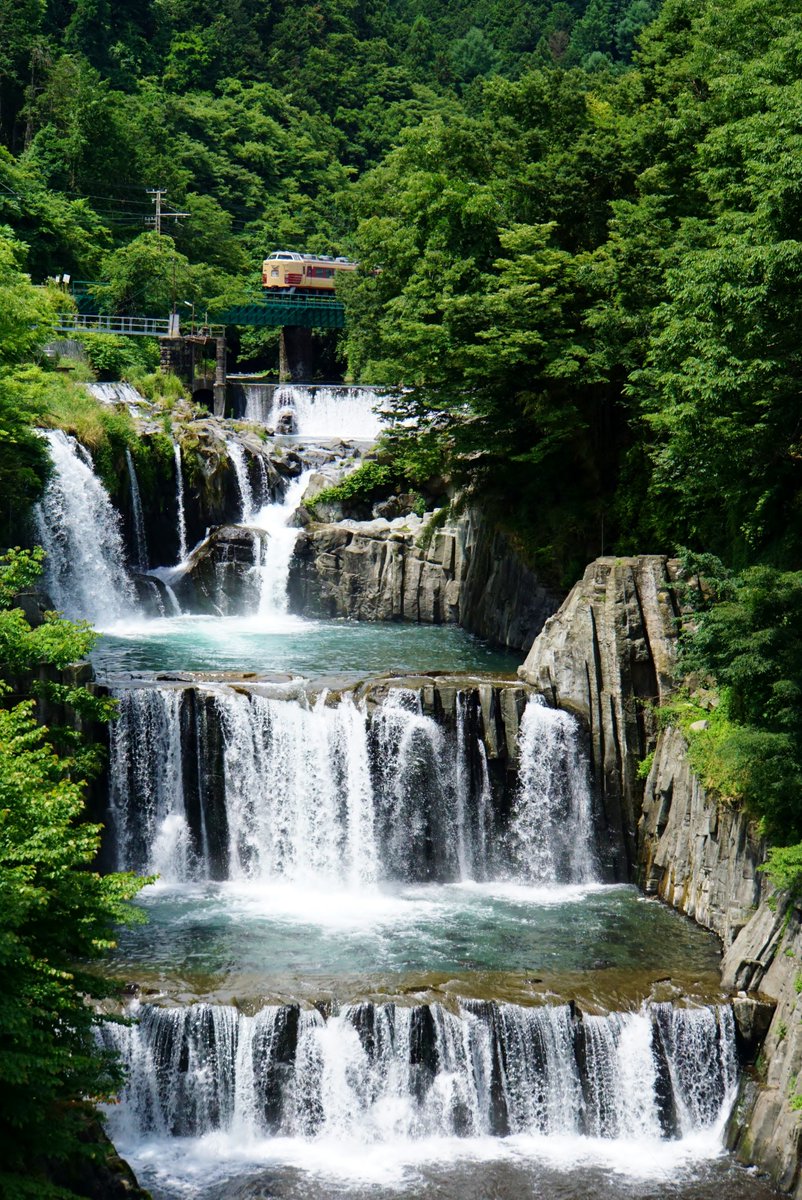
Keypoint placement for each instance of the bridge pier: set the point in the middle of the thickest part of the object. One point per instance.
(220, 377)
(296, 354)
(181, 355)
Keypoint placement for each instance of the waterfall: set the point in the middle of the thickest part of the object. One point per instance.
(138, 516)
(552, 835)
(276, 552)
(179, 503)
(118, 393)
(383, 1073)
(322, 412)
(79, 528)
(298, 790)
(258, 402)
(240, 464)
(147, 758)
(422, 795)
(330, 793)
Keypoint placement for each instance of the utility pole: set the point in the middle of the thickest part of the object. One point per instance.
(161, 214)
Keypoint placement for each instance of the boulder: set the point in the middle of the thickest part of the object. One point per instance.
(221, 575)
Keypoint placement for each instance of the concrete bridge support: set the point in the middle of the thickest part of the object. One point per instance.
(183, 356)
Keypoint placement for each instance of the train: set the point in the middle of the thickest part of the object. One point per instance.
(304, 274)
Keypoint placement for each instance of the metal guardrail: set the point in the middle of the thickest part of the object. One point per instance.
(99, 323)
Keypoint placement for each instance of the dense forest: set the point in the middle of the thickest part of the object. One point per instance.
(578, 228)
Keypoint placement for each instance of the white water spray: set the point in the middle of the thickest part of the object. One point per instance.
(385, 1074)
(317, 412)
(276, 553)
(552, 837)
(240, 464)
(332, 794)
(79, 528)
(179, 503)
(136, 511)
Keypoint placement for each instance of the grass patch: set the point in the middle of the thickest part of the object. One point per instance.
(71, 407)
(363, 484)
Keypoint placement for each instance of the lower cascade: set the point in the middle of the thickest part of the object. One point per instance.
(382, 1072)
(222, 783)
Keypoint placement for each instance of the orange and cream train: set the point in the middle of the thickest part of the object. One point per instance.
(286, 271)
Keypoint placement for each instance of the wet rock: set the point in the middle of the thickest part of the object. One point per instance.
(34, 605)
(753, 1018)
(101, 1174)
(220, 575)
(385, 569)
(151, 596)
(608, 656)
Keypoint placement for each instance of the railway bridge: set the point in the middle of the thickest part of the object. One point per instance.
(293, 314)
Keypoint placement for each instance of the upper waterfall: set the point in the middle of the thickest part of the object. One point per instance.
(320, 412)
(79, 528)
(274, 560)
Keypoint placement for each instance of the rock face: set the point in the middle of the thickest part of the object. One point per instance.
(376, 571)
(101, 1174)
(609, 649)
(608, 656)
(766, 959)
(220, 577)
(500, 597)
(379, 571)
(698, 855)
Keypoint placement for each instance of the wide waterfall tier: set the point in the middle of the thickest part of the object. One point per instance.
(326, 412)
(219, 783)
(76, 523)
(386, 1073)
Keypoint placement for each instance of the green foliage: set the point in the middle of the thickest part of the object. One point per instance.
(112, 357)
(783, 866)
(160, 386)
(645, 766)
(57, 915)
(99, 427)
(362, 484)
(148, 276)
(476, 238)
(435, 522)
(19, 570)
(27, 315)
(749, 642)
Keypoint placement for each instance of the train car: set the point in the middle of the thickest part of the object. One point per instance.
(307, 274)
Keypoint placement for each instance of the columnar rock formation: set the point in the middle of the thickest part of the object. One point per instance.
(608, 656)
(383, 570)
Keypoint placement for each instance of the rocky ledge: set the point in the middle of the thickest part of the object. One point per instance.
(608, 655)
(466, 573)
